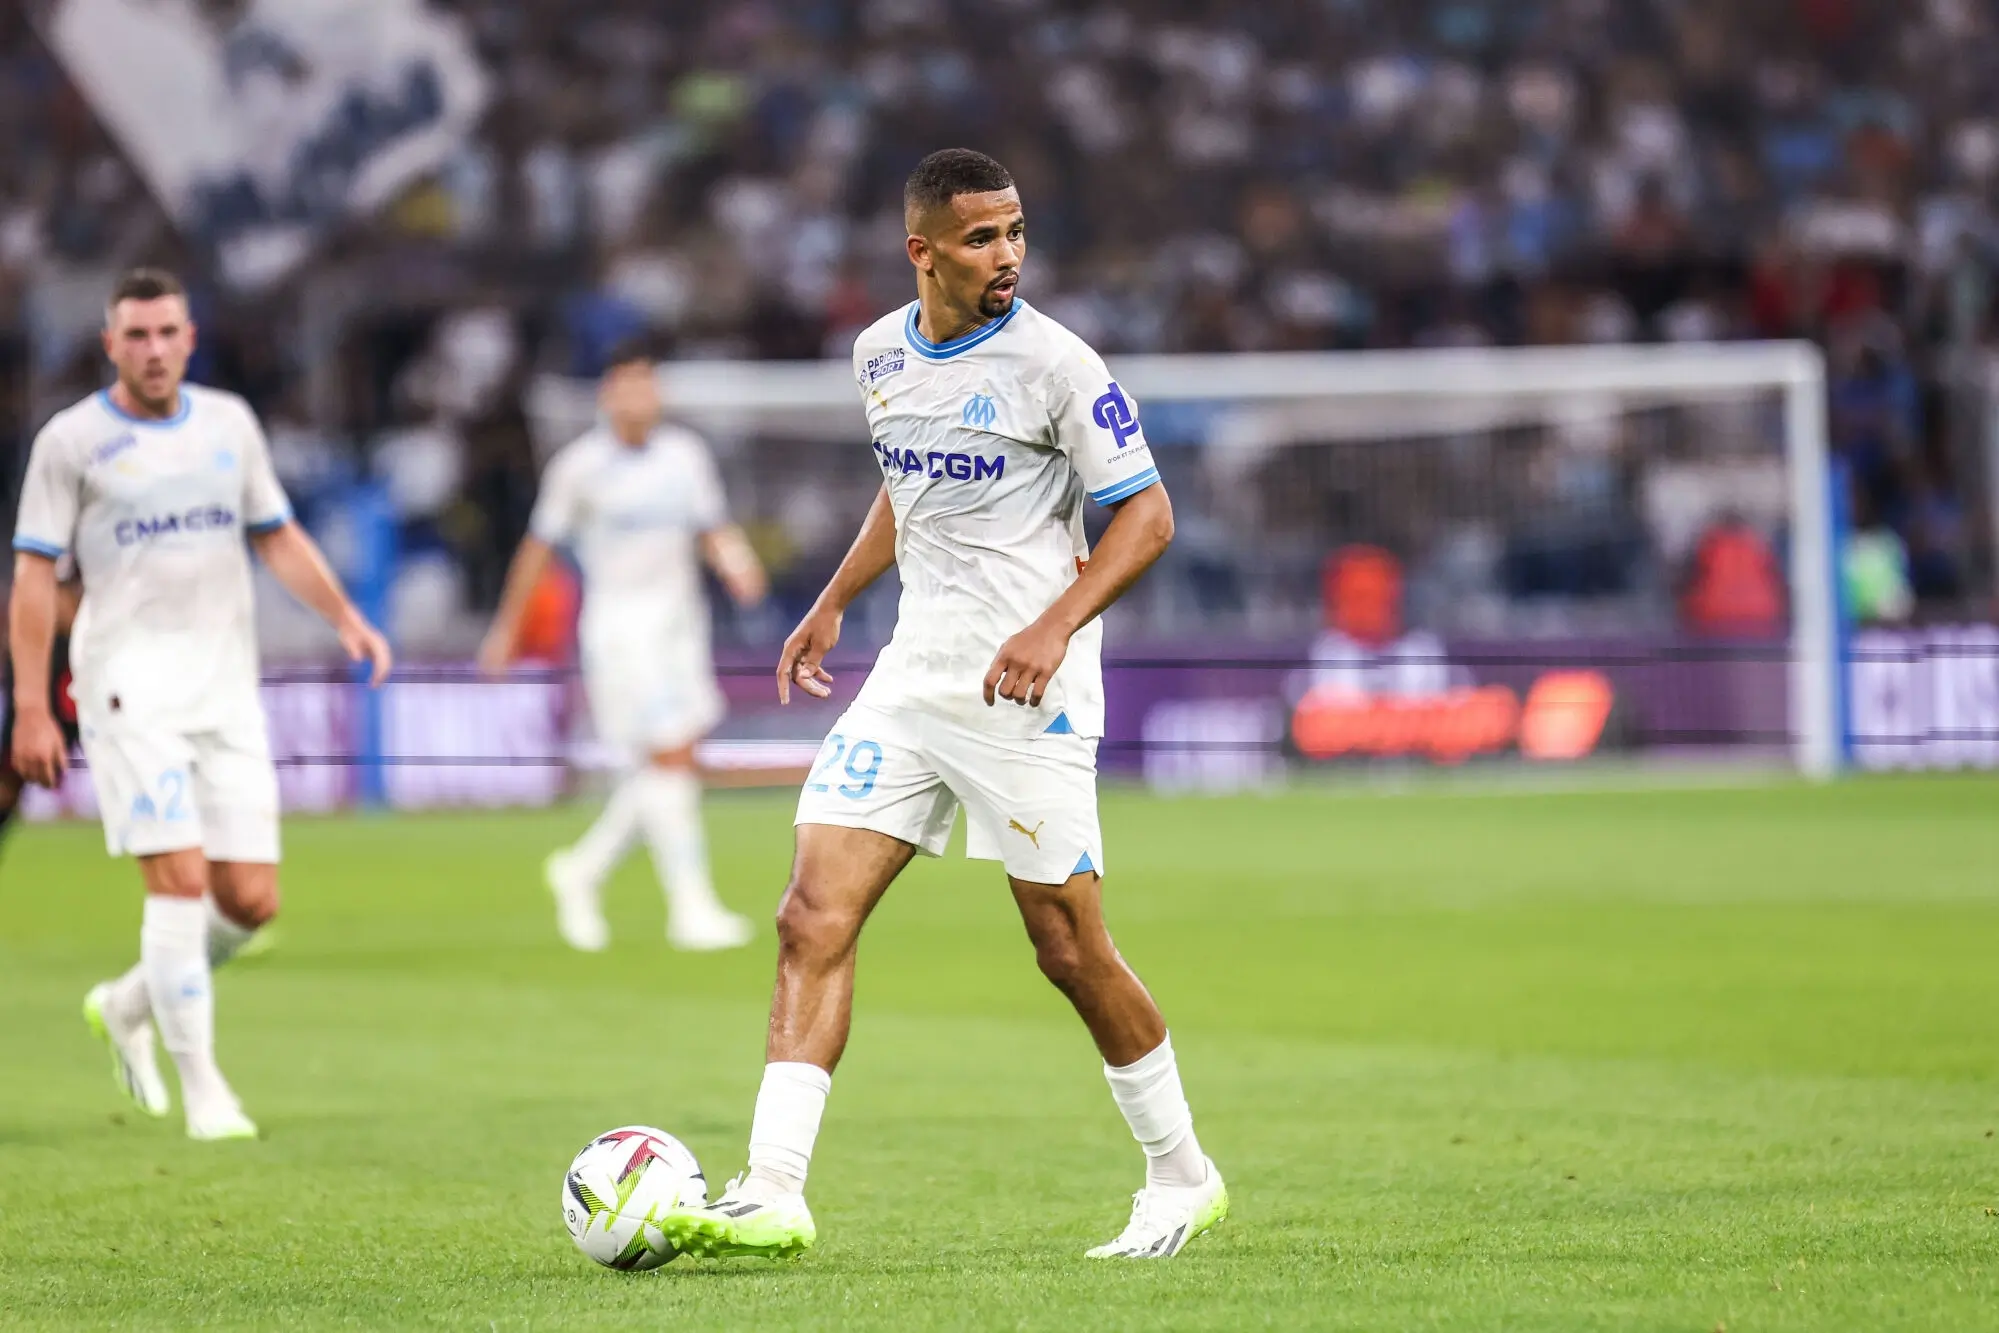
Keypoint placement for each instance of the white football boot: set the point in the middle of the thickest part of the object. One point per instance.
(1164, 1219)
(708, 929)
(133, 1065)
(579, 916)
(219, 1118)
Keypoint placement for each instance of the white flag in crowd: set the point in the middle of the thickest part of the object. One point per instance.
(260, 137)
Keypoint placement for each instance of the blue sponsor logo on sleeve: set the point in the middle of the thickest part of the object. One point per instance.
(1113, 412)
(883, 364)
(112, 447)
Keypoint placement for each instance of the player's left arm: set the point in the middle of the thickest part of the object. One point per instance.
(295, 558)
(1139, 533)
(1096, 424)
(728, 552)
(724, 544)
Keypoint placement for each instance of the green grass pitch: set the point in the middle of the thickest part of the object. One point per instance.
(1620, 1060)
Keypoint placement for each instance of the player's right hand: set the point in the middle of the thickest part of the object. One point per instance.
(496, 651)
(364, 643)
(804, 651)
(39, 755)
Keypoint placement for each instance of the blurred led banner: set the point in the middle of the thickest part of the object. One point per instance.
(1925, 698)
(458, 741)
(261, 133)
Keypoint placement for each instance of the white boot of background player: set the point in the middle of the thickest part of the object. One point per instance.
(174, 959)
(669, 802)
(120, 1012)
(576, 873)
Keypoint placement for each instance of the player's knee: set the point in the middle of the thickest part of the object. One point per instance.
(256, 908)
(1060, 956)
(810, 922)
(251, 901)
(177, 877)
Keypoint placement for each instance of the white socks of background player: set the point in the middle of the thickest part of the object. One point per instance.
(225, 937)
(669, 810)
(128, 1000)
(1148, 1092)
(789, 1105)
(173, 954)
(597, 853)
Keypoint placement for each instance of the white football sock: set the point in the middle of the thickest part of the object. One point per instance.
(604, 844)
(1148, 1092)
(789, 1104)
(127, 1001)
(173, 950)
(669, 801)
(225, 937)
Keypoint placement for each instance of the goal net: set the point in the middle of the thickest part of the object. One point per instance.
(1539, 556)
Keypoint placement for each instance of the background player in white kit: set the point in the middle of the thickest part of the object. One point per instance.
(991, 423)
(153, 485)
(639, 503)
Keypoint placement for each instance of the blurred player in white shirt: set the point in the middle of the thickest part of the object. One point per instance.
(640, 505)
(992, 424)
(154, 485)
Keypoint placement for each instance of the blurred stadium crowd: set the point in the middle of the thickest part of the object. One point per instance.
(1200, 176)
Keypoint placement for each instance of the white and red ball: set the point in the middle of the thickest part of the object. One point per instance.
(619, 1189)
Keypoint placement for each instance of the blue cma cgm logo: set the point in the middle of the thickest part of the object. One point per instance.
(957, 467)
(202, 518)
(1113, 412)
(980, 412)
(113, 447)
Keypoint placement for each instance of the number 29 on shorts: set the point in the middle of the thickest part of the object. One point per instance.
(863, 764)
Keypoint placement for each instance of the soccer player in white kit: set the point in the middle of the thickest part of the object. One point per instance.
(154, 485)
(639, 503)
(992, 424)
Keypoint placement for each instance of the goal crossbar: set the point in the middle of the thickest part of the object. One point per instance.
(817, 400)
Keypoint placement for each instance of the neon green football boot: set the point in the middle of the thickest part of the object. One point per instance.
(741, 1225)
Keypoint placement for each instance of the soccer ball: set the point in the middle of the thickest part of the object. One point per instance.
(620, 1187)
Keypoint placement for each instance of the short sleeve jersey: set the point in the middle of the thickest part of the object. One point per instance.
(989, 445)
(632, 517)
(155, 512)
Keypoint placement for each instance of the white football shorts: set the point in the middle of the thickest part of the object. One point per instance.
(1030, 802)
(649, 694)
(165, 790)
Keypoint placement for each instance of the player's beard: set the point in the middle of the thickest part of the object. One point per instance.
(993, 304)
(159, 403)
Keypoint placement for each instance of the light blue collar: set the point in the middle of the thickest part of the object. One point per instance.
(964, 342)
(111, 406)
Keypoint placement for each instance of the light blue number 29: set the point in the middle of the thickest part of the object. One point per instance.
(836, 745)
(863, 778)
(864, 765)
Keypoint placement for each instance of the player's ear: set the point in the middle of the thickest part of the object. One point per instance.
(919, 252)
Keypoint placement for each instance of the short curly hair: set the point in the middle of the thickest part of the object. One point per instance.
(947, 173)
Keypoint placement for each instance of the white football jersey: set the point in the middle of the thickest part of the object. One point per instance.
(989, 445)
(633, 517)
(155, 512)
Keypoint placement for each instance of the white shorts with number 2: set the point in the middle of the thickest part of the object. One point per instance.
(1030, 802)
(162, 791)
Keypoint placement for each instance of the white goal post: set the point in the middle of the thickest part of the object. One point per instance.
(1382, 395)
